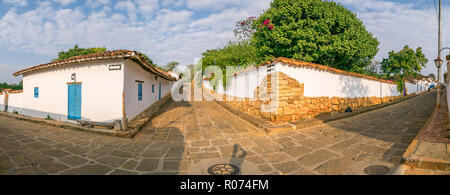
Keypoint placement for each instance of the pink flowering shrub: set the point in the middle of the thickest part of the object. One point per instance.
(267, 24)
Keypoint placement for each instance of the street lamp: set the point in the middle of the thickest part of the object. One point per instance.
(438, 62)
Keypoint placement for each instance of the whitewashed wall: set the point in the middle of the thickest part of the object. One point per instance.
(15, 102)
(2, 100)
(419, 87)
(412, 88)
(325, 84)
(242, 85)
(317, 83)
(101, 91)
(133, 73)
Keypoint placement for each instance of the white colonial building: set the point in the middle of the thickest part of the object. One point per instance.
(100, 87)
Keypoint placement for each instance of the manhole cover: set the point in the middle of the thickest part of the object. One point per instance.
(377, 170)
(223, 169)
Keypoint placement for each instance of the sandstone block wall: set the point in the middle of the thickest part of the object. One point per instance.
(293, 105)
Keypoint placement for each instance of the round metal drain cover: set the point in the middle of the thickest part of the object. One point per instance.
(377, 170)
(223, 169)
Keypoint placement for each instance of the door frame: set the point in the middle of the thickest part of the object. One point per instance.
(160, 90)
(68, 100)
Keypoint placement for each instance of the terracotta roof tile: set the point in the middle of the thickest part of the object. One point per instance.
(135, 56)
(297, 63)
(9, 91)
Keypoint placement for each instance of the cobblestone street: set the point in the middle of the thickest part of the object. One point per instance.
(187, 138)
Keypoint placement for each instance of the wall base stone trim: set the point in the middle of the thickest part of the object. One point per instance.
(293, 105)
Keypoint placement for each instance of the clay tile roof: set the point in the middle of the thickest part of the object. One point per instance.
(10, 91)
(297, 63)
(116, 54)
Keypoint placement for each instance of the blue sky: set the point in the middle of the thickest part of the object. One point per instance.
(33, 31)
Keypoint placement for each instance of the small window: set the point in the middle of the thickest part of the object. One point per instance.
(153, 88)
(36, 92)
(140, 91)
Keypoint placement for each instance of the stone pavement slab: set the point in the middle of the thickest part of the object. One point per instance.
(188, 138)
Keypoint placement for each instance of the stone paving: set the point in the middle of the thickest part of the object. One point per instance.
(187, 138)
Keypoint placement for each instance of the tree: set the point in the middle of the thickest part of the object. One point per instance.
(406, 62)
(433, 76)
(11, 86)
(170, 66)
(234, 54)
(77, 51)
(316, 31)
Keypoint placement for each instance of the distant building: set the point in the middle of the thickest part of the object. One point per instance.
(419, 83)
(100, 87)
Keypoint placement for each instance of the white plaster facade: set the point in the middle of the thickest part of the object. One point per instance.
(150, 84)
(2, 100)
(420, 86)
(317, 83)
(106, 93)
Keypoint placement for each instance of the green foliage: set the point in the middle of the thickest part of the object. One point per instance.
(400, 85)
(234, 54)
(170, 66)
(316, 31)
(49, 118)
(76, 51)
(146, 58)
(433, 76)
(11, 86)
(404, 63)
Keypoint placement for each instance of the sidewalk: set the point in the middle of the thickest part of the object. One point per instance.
(429, 152)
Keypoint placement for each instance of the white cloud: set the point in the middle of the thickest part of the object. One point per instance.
(16, 2)
(64, 2)
(147, 7)
(97, 3)
(170, 35)
(129, 7)
(399, 24)
(172, 32)
(174, 3)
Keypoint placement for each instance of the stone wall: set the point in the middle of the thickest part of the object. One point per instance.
(293, 105)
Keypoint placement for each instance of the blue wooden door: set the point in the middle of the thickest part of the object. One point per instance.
(74, 112)
(160, 91)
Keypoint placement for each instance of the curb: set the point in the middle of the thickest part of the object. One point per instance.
(424, 162)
